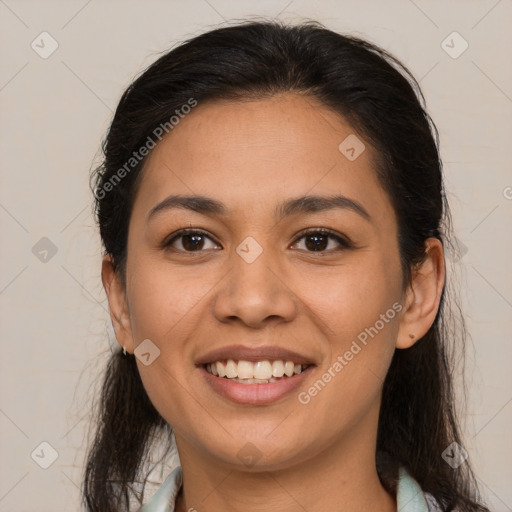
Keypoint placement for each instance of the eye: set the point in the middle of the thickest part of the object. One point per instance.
(317, 240)
(195, 240)
(191, 240)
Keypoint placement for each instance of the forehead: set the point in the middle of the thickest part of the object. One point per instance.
(251, 154)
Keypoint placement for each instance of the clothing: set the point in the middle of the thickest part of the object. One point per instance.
(410, 497)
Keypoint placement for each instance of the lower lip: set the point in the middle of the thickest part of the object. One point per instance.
(255, 394)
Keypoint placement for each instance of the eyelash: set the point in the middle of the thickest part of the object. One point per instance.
(344, 242)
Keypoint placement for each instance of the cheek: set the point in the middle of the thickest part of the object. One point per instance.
(164, 299)
(167, 306)
(164, 307)
(359, 308)
(171, 397)
(352, 297)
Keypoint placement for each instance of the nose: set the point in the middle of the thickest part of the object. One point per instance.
(255, 293)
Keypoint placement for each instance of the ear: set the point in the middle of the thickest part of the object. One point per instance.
(423, 295)
(118, 305)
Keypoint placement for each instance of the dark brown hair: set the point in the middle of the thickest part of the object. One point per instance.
(383, 102)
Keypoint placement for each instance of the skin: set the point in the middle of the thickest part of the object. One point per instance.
(253, 155)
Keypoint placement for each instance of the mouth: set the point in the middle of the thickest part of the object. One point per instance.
(258, 372)
(255, 383)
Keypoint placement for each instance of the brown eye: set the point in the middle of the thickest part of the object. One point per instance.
(318, 241)
(190, 241)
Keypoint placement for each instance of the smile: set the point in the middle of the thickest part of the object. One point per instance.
(254, 391)
(259, 372)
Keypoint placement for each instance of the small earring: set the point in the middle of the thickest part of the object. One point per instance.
(124, 351)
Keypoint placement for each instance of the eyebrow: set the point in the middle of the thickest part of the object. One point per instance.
(304, 204)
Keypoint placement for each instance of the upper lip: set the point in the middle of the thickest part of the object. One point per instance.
(253, 354)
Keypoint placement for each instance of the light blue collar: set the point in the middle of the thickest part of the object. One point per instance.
(410, 497)
(164, 499)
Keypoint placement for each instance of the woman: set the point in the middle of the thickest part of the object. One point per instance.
(272, 210)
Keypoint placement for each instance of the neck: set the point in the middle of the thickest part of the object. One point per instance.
(341, 477)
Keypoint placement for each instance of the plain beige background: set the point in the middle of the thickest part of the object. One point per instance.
(55, 110)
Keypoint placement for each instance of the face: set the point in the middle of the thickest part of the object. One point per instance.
(263, 277)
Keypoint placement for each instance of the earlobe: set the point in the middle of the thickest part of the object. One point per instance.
(423, 295)
(118, 306)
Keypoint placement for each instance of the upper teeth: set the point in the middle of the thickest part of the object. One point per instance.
(263, 370)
